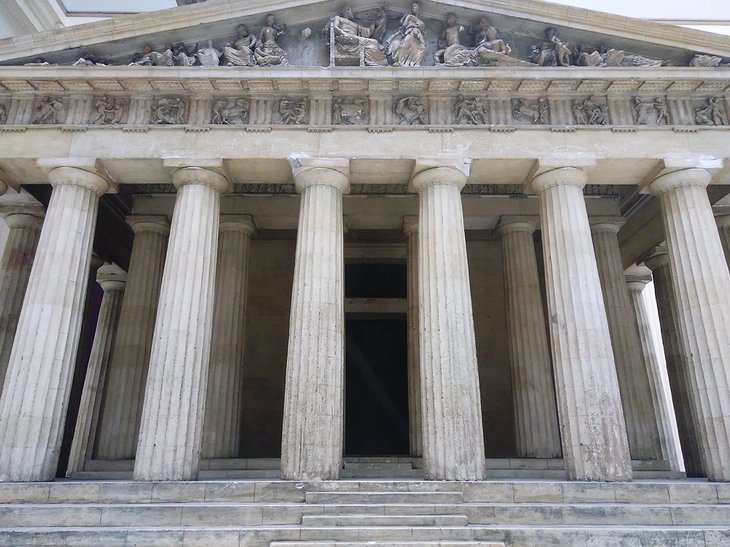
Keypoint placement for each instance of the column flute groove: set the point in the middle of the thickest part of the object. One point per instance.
(410, 228)
(702, 288)
(453, 438)
(312, 432)
(129, 362)
(595, 445)
(15, 266)
(170, 434)
(533, 389)
(221, 433)
(35, 399)
(112, 280)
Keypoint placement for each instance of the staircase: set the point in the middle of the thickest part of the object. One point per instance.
(366, 513)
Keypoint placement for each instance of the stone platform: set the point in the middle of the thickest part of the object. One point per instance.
(360, 512)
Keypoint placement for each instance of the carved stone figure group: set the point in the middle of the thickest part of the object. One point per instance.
(590, 112)
(108, 110)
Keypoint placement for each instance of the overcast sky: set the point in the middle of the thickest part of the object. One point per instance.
(666, 9)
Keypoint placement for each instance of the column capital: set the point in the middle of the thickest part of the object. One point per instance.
(410, 225)
(657, 258)
(237, 223)
(204, 176)
(693, 176)
(606, 224)
(111, 277)
(308, 172)
(440, 171)
(149, 223)
(25, 217)
(557, 176)
(513, 223)
(637, 277)
(88, 173)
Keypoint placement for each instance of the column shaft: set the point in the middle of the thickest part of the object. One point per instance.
(453, 438)
(633, 379)
(313, 403)
(127, 373)
(677, 364)
(536, 415)
(410, 227)
(657, 372)
(595, 446)
(15, 266)
(35, 399)
(112, 280)
(702, 287)
(172, 417)
(221, 433)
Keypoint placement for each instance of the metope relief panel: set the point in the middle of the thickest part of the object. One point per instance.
(350, 111)
(292, 111)
(411, 111)
(49, 110)
(531, 111)
(471, 111)
(169, 111)
(650, 111)
(230, 111)
(109, 111)
(710, 111)
(590, 111)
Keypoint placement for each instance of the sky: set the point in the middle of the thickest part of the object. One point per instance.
(666, 9)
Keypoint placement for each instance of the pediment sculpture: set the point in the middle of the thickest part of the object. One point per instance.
(382, 36)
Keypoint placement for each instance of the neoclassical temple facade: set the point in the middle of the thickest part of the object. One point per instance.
(397, 233)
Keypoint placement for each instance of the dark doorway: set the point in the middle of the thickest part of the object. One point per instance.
(376, 393)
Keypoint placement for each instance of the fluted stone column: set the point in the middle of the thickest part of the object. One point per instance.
(702, 288)
(127, 371)
(170, 433)
(38, 380)
(637, 279)
(311, 445)
(410, 228)
(15, 265)
(595, 446)
(677, 363)
(453, 438)
(112, 280)
(723, 225)
(221, 432)
(633, 379)
(533, 392)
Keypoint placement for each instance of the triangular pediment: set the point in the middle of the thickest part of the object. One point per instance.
(522, 25)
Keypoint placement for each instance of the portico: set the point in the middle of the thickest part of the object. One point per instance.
(226, 339)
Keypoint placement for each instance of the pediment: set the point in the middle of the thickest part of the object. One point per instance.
(522, 25)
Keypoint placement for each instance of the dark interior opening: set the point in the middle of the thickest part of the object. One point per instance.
(376, 393)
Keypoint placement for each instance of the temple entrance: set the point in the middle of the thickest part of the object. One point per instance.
(376, 354)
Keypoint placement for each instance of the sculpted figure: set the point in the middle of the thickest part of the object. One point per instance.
(641, 111)
(590, 112)
(662, 116)
(293, 112)
(183, 56)
(49, 111)
(470, 111)
(536, 113)
(230, 111)
(352, 39)
(708, 61)
(563, 54)
(410, 110)
(3, 114)
(711, 114)
(543, 56)
(407, 46)
(39, 61)
(149, 57)
(90, 59)
(451, 52)
(108, 111)
(579, 113)
(209, 56)
(489, 38)
(349, 111)
(240, 52)
(267, 51)
(169, 111)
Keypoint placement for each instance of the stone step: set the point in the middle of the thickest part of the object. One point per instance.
(386, 543)
(385, 520)
(383, 497)
(418, 514)
(503, 491)
(264, 536)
